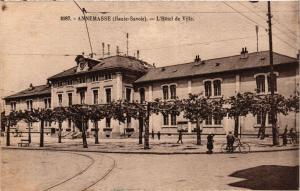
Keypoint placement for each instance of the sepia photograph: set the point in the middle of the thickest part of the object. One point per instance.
(149, 95)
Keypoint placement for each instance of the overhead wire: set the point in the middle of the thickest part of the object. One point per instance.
(253, 21)
(283, 32)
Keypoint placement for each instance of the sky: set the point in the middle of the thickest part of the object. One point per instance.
(34, 40)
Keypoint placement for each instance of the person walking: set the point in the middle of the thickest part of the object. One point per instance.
(158, 135)
(180, 137)
(284, 136)
(210, 143)
(230, 141)
(152, 134)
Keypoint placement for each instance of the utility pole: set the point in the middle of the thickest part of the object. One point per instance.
(272, 88)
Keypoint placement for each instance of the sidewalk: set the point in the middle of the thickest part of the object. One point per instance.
(167, 145)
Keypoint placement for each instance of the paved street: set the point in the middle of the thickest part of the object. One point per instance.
(56, 170)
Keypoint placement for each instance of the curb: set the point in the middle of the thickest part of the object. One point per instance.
(138, 152)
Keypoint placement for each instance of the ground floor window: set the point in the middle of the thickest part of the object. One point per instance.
(108, 122)
(169, 120)
(211, 121)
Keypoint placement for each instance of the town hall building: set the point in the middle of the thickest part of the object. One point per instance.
(96, 81)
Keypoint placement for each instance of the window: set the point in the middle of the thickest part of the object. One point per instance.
(70, 82)
(173, 119)
(69, 123)
(13, 105)
(263, 82)
(82, 80)
(47, 103)
(108, 122)
(60, 83)
(260, 84)
(29, 104)
(165, 119)
(70, 99)
(275, 83)
(95, 92)
(108, 76)
(128, 94)
(82, 97)
(217, 121)
(217, 87)
(259, 119)
(95, 78)
(128, 122)
(207, 86)
(213, 87)
(208, 120)
(142, 95)
(173, 91)
(60, 100)
(212, 121)
(108, 95)
(165, 92)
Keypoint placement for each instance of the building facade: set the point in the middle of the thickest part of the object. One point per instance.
(96, 81)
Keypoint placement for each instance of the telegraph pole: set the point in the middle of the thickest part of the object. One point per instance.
(272, 88)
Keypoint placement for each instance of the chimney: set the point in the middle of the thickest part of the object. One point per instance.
(154, 65)
(108, 49)
(244, 53)
(118, 51)
(31, 86)
(138, 54)
(103, 46)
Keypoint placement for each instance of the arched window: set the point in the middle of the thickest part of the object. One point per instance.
(207, 86)
(173, 91)
(217, 87)
(165, 92)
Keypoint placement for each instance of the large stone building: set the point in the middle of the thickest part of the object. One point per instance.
(93, 81)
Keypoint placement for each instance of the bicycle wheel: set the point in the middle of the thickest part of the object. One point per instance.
(224, 148)
(244, 148)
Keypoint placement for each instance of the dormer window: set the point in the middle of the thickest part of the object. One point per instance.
(82, 80)
(108, 76)
(95, 78)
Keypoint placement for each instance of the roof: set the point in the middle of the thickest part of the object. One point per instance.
(217, 65)
(125, 62)
(33, 91)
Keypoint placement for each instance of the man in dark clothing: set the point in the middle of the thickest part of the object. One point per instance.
(284, 136)
(210, 143)
(230, 142)
(152, 134)
(158, 135)
(180, 137)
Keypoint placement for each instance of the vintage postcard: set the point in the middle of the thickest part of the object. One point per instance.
(149, 95)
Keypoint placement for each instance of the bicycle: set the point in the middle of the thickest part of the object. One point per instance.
(242, 147)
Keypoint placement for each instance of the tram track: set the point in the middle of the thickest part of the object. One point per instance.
(74, 176)
(92, 162)
(104, 176)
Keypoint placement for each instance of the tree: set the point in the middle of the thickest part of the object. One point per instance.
(96, 113)
(29, 117)
(292, 103)
(10, 120)
(262, 106)
(42, 115)
(59, 114)
(79, 114)
(196, 108)
(240, 105)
